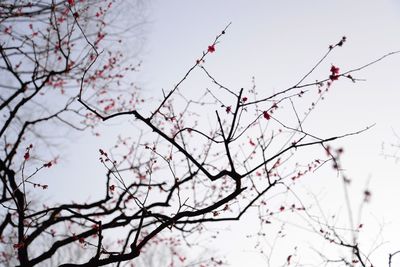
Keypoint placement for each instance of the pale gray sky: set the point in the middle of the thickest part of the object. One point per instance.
(277, 42)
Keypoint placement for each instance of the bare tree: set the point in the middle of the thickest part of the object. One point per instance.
(201, 157)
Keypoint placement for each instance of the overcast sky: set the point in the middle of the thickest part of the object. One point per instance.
(277, 42)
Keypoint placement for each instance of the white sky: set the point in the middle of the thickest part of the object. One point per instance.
(277, 42)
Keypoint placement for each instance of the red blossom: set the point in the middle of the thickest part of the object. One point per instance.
(334, 70)
(48, 164)
(266, 115)
(26, 156)
(228, 109)
(211, 48)
(333, 77)
(71, 2)
(334, 73)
